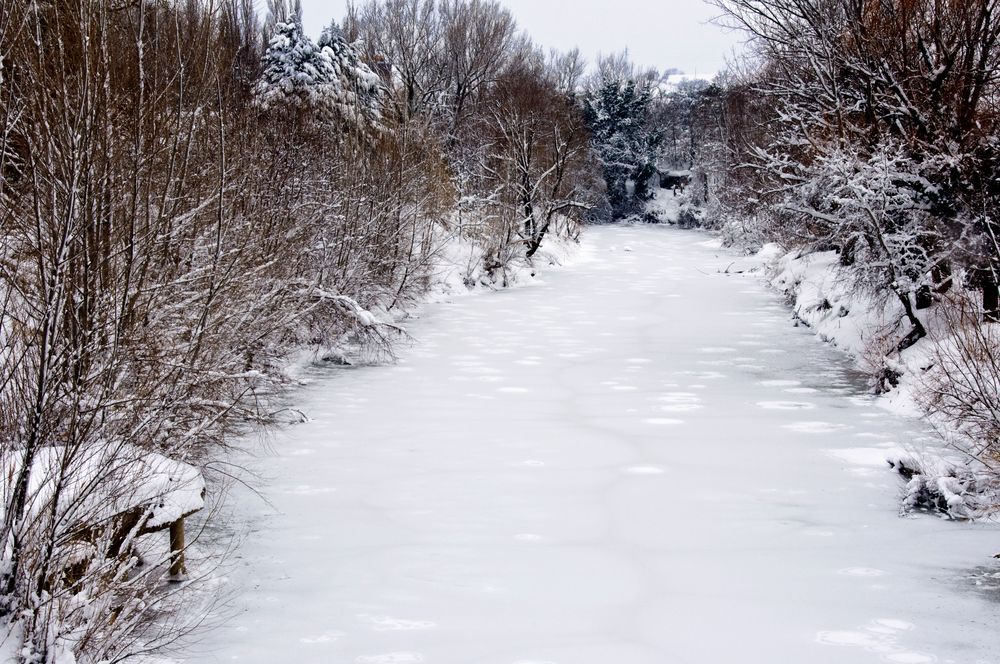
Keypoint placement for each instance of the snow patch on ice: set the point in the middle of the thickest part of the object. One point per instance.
(391, 658)
(786, 405)
(866, 572)
(389, 624)
(881, 636)
(815, 427)
(327, 637)
(528, 537)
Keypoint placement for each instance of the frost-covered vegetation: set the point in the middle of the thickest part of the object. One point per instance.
(187, 197)
(862, 137)
(191, 197)
(618, 103)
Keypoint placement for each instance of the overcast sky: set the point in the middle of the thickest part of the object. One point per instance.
(659, 33)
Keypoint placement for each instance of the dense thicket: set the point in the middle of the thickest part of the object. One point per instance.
(186, 195)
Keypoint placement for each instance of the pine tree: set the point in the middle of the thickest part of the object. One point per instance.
(616, 111)
(293, 69)
(351, 86)
(326, 79)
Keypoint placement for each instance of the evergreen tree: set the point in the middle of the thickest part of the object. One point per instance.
(292, 66)
(351, 85)
(616, 111)
(326, 79)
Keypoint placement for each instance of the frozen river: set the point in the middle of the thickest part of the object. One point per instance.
(638, 460)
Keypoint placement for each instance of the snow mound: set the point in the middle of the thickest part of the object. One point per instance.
(946, 486)
(98, 484)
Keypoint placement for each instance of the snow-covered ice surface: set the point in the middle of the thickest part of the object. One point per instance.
(638, 461)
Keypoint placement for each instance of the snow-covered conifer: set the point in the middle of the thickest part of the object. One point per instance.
(327, 78)
(616, 111)
(292, 67)
(351, 86)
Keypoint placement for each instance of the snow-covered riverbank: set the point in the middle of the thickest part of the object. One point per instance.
(637, 460)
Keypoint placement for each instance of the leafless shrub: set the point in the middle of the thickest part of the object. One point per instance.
(962, 386)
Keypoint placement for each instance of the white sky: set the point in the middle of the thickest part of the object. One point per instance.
(659, 33)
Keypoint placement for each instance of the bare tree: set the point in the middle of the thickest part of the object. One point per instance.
(540, 156)
(479, 38)
(403, 39)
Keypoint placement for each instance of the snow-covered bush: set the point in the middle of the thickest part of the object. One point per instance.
(961, 388)
(951, 487)
(748, 233)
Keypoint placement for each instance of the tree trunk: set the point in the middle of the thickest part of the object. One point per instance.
(177, 568)
(941, 273)
(918, 331)
(924, 298)
(991, 299)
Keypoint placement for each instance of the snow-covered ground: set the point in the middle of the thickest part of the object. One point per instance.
(637, 461)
